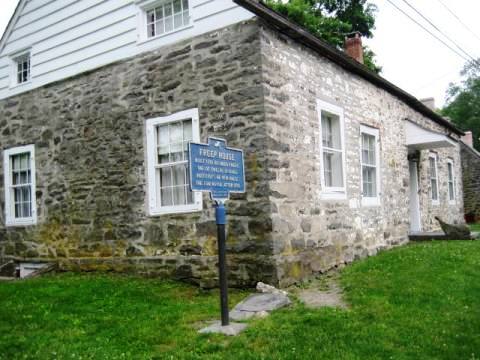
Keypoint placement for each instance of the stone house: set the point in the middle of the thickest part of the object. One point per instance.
(98, 100)
(471, 178)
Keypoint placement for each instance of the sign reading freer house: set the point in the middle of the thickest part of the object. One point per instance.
(219, 170)
(216, 169)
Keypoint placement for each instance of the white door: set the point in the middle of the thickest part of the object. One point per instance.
(415, 224)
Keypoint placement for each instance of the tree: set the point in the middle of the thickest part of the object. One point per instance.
(331, 20)
(463, 101)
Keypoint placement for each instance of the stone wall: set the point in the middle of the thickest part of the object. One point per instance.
(311, 234)
(471, 181)
(88, 133)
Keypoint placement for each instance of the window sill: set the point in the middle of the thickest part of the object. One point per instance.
(173, 210)
(370, 202)
(20, 85)
(330, 195)
(22, 222)
(452, 202)
(435, 202)
(147, 40)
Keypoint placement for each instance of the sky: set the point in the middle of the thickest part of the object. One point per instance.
(414, 60)
(411, 58)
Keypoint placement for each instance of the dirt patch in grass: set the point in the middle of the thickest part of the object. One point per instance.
(323, 291)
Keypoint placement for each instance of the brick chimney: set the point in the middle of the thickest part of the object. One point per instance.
(429, 102)
(353, 46)
(468, 138)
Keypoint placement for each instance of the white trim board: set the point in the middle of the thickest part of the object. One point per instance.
(371, 201)
(332, 193)
(10, 220)
(153, 196)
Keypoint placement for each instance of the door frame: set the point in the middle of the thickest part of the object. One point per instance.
(415, 226)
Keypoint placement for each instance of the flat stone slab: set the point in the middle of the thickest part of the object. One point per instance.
(259, 305)
(436, 235)
(316, 298)
(230, 330)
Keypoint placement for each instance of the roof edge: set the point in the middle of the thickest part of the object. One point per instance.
(470, 148)
(303, 36)
(11, 23)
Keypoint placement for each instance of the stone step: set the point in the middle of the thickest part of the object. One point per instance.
(428, 236)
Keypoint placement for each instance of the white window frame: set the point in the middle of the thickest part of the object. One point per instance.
(10, 219)
(14, 68)
(333, 192)
(434, 156)
(155, 209)
(146, 5)
(453, 181)
(371, 201)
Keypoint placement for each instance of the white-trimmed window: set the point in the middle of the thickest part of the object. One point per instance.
(370, 162)
(332, 150)
(451, 182)
(21, 68)
(433, 173)
(163, 17)
(167, 161)
(19, 178)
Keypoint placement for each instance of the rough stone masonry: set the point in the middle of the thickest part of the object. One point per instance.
(311, 234)
(471, 181)
(257, 90)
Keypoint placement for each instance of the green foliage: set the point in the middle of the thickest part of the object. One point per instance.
(331, 20)
(414, 302)
(463, 101)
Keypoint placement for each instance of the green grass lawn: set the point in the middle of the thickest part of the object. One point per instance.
(475, 227)
(416, 302)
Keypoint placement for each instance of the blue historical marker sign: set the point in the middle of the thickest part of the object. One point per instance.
(217, 169)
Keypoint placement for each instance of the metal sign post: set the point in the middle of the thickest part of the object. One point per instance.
(219, 170)
(221, 219)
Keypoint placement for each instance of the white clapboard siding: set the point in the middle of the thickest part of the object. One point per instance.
(88, 15)
(63, 15)
(5, 61)
(4, 82)
(86, 53)
(223, 19)
(42, 13)
(208, 8)
(33, 5)
(85, 41)
(86, 63)
(67, 37)
(102, 23)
